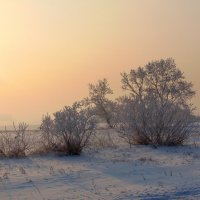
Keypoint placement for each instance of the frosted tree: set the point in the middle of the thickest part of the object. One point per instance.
(102, 106)
(74, 126)
(48, 137)
(158, 110)
(69, 130)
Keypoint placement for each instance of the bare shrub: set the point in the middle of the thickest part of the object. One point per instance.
(158, 109)
(15, 143)
(146, 159)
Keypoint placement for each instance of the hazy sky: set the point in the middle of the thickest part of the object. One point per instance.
(51, 49)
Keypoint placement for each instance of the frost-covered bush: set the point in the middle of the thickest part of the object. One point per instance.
(101, 105)
(70, 130)
(158, 109)
(15, 143)
(49, 140)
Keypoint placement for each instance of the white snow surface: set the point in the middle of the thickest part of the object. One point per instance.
(106, 170)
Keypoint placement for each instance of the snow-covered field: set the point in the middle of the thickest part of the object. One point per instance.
(107, 170)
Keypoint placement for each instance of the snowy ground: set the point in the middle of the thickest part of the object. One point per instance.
(108, 170)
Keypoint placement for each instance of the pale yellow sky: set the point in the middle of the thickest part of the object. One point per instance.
(51, 49)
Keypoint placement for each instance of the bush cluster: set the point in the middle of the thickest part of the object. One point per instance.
(156, 110)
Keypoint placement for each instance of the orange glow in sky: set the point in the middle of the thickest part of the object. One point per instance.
(51, 49)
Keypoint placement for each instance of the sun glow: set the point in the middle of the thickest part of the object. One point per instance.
(50, 50)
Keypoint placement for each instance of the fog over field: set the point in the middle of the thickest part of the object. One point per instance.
(99, 99)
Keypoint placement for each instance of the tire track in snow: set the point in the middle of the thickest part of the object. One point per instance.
(2, 180)
(29, 180)
(15, 187)
(64, 176)
(6, 180)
